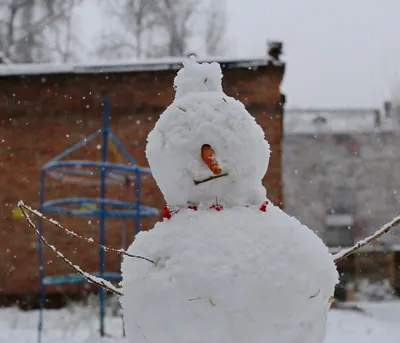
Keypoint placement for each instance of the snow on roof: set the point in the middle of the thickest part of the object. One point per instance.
(173, 63)
(317, 121)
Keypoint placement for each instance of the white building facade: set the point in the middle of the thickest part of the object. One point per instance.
(341, 172)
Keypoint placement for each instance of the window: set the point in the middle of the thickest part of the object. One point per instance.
(338, 229)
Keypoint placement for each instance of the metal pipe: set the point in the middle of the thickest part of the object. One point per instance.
(102, 210)
(41, 264)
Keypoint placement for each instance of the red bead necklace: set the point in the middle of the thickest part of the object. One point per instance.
(167, 213)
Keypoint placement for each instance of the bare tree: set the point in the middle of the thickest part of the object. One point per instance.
(176, 19)
(141, 21)
(115, 45)
(26, 28)
(155, 28)
(135, 18)
(62, 39)
(215, 28)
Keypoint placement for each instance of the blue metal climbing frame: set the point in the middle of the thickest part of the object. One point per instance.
(106, 173)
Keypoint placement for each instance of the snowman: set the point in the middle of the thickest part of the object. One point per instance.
(229, 266)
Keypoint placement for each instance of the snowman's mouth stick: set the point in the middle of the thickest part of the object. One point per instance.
(210, 178)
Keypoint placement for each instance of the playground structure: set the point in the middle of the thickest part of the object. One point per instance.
(88, 173)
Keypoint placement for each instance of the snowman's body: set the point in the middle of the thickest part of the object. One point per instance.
(228, 269)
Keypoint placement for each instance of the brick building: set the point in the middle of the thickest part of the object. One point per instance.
(45, 109)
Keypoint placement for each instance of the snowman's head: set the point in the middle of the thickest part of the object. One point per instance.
(206, 147)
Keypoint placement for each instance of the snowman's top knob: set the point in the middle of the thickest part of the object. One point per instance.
(195, 78)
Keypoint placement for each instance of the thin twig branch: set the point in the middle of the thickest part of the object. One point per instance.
(74, 234)
(90, 278)
(341, 255)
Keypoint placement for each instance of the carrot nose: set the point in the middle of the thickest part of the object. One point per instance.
(208, 156)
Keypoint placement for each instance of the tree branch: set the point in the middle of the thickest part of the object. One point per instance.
(10, 28)
(341, 255)
(38, 26)
(90, 278)
(74, 234)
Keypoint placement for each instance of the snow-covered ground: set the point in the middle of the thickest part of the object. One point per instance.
(77, 324)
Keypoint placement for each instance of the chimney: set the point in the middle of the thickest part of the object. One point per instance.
(275, 49)
(377, 118)
(387, 106)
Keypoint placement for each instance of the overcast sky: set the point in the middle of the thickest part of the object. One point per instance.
(339, 53)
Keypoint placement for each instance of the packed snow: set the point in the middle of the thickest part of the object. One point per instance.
(79, 324)
(230, 276)
(230, 267)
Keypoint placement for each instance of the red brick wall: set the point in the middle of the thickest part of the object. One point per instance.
(42, 115)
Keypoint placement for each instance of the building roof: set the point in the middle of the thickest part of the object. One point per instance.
(170, 63)
(338, 121)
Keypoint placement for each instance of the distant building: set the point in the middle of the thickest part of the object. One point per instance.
(341, 177)
(341, 171)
